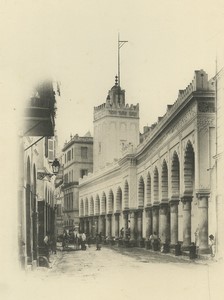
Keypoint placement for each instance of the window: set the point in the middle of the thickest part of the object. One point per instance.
(69, 155)
(84, 152)
(83, 172)
(66, 178)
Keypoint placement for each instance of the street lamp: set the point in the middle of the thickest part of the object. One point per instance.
(55, 166)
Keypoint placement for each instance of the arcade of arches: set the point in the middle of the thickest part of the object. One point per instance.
(165, 185)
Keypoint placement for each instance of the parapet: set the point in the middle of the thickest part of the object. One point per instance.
(200, 83)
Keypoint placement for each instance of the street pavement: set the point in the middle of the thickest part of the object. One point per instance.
(123, 273)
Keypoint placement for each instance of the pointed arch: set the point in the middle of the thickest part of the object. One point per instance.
(86, 207)
(110, 202)
(141, 192)
(126, 195)
(103, 204)
(148, 190)
(175, 176)
(118, 200)
(164, 181)
(81, 208)
(189, 169)
(155, 185)
(97, 205)
(91, 207)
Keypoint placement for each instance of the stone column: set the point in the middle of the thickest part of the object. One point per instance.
(108, 232)
(203, 222)
(174, 221)
(96, 229)
(102, 224)
(186, 200)
(86, 225)
(163, 222)
(132, 221)
(148, 215)
(139, 225)
(117, 215)
(90, 226)
(155, 219)
(81, 228)
(125, 214)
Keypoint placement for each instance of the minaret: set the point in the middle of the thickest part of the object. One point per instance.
(116, 125)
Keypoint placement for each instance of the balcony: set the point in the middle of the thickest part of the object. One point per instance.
(40, 111)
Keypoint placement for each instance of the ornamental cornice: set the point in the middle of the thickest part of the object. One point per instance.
(204, 122)
(169, 130)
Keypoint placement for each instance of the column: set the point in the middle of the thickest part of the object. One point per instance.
(81, 228)
(102, 225)
(117, 229)
(148, 214)
(163, 222)
(85, 225)
(174, 221)
(203, 221)
(125, 214)
(186, 200)
(96, 227)
(91, 226)
(108, 233)
(139, 224)
(133, 222)
(155, 219)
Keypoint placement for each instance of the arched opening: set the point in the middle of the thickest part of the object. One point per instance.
(148, 190)
(164, 181)
(175, 176)
(189, 203)
(126, 195)
(103, 204)
(81, 208)
(86, 207)
(119, 200)
(110, 202)
(156, 186)
(91, 207)
(141, 192)
(189, 165)
(97, 205)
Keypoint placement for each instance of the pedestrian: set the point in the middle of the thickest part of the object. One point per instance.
(212, 244)
(197, 236)
(46, 245)
(154, 241)
(122, 232)
(98, 241)
(83, 245)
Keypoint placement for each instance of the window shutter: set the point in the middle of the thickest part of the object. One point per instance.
(50, 150)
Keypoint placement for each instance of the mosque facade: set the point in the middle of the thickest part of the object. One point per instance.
(162, 181)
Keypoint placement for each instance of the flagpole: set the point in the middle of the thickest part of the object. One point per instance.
(120, 44)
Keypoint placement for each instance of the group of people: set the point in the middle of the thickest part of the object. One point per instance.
(75, 237)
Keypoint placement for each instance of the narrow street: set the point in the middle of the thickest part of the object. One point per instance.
(132, 273)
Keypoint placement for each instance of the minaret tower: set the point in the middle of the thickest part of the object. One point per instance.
(116, 125)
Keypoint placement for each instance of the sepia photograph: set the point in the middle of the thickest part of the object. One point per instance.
(112, 143)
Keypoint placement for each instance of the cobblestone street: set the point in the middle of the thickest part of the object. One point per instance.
(119, 273)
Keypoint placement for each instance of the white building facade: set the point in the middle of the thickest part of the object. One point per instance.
(161, 185)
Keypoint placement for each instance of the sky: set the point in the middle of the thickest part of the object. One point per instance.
(75, 43)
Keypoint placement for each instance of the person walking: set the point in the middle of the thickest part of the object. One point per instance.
(212, 244)
(98, 241)
(83, 245)
(46, 245)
